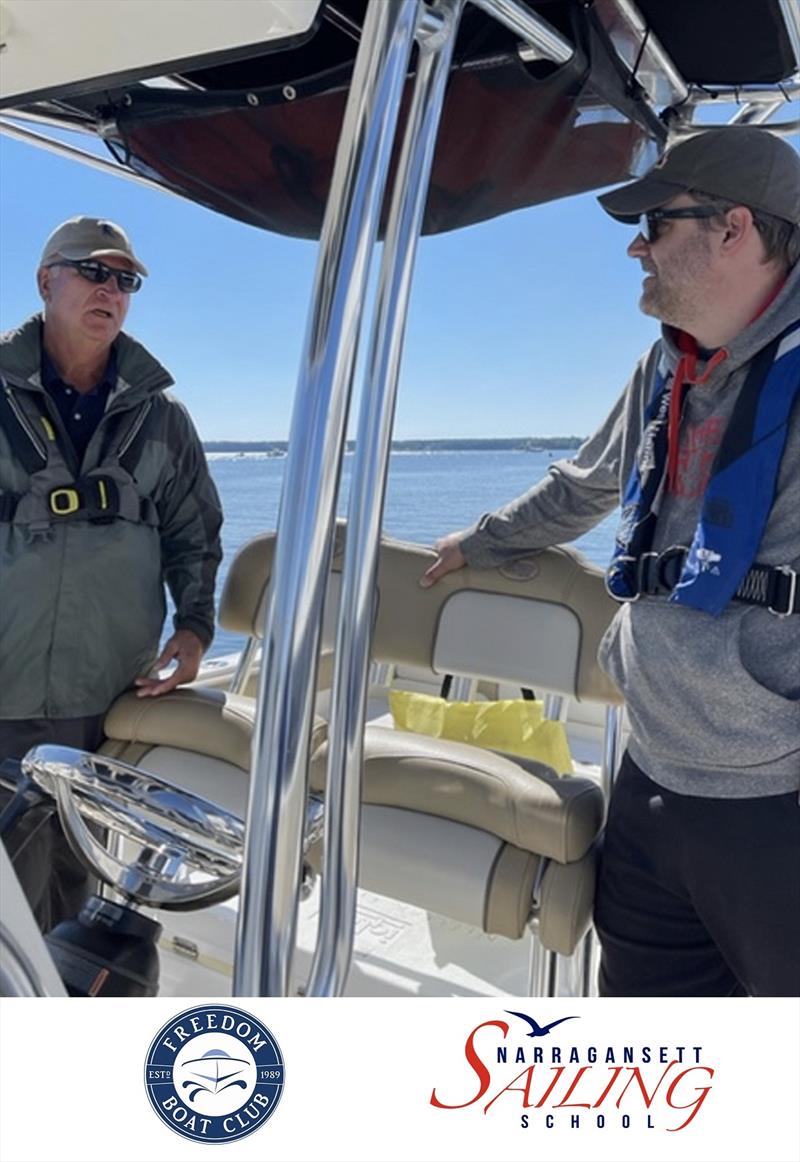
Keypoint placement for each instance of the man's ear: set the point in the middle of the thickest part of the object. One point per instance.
(43, 277)
(739, 229)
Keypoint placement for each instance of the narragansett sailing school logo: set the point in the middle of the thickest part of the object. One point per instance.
(214, 1073)
(549, 1077)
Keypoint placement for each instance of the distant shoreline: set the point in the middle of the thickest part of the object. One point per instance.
(500, 444)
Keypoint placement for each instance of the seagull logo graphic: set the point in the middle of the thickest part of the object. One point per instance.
(538, 1030)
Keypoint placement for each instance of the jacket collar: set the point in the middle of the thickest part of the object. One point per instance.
(139, 374)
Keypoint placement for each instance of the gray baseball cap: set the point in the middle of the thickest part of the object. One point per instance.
(741, 163)
(89, 238)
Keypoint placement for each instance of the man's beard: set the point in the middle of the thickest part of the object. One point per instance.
(676, 291)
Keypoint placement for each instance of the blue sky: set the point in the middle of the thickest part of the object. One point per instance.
(526, 325)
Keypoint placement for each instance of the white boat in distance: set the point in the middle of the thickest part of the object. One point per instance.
(281, 836)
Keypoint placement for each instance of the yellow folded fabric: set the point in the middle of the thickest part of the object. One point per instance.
(514, 726)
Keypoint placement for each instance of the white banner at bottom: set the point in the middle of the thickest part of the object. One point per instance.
(351, 1079)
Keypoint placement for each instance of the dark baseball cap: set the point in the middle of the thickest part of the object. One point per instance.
(741, 163)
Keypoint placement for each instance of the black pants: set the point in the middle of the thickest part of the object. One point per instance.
(698, 897)
(55, 882)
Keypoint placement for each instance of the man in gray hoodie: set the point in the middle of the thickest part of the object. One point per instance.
(699, 889)
(105, 495)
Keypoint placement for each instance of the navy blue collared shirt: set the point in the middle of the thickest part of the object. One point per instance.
(80, 412)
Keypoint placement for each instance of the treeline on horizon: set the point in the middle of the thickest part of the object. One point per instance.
(498, 444)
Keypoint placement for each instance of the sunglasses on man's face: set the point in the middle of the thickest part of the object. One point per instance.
(650, 223)
(98, 272)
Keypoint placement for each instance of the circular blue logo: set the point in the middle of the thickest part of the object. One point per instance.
(214, 1073)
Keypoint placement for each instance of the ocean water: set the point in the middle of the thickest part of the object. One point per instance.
(429, 494)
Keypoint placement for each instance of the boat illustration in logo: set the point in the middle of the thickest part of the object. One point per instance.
(214, 1073)
(225, 1073)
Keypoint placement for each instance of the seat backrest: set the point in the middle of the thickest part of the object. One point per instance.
(536, 621)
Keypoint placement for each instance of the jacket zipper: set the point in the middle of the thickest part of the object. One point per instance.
(134, 430)
(23, 421)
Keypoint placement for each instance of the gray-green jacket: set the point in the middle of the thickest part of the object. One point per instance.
(82, 600)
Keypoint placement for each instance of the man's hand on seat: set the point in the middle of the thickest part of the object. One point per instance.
(184, 647)
(449, 559)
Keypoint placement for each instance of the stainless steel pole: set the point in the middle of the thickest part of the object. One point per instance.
(334, 950)
(276, 809)
(8, 129)
(791, 15)
(244, 665)
(530, 27)
(612, 749)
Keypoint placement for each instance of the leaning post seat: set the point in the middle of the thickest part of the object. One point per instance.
(521, 837)
(198, 739)
(472, 834)
(476, 836)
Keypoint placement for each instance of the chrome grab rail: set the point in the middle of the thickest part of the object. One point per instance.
(331, 963)
(272, 864)
(756, 112)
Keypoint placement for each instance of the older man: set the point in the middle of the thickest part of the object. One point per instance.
(699, 892)
(104, 496)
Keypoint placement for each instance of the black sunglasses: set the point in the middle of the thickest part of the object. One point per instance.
(98, 272)
(650, 223)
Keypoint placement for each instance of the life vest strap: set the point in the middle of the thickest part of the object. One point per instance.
(774, 587)
(93, 498)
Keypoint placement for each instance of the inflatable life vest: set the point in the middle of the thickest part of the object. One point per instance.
(719, 565)
(56, 492)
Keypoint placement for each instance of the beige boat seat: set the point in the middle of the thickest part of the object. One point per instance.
(199, 737)
(476, 835)
(196, 738)
(469, 833)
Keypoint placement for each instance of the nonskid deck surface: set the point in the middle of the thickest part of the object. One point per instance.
(400, 950)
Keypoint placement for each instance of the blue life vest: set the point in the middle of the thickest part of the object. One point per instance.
(739, 494)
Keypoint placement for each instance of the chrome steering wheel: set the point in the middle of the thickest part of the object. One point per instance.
(187, 851)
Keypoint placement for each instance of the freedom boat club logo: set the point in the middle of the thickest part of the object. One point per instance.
(214, 1073)
(544, 1077)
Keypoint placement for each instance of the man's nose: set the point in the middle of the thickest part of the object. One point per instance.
(639, 248)
(110, 286)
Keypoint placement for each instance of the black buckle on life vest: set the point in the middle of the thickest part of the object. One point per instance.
(784, 591)
(94, 498)
(660, 572)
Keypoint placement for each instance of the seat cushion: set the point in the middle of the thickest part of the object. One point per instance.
(209, 722)
(520, 801)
